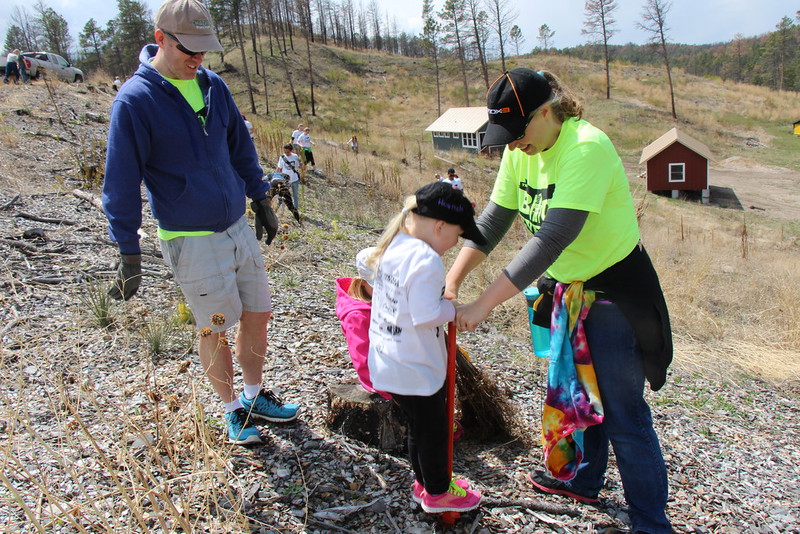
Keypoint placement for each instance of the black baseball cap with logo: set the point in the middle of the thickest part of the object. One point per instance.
(510, 100)
(442, 201)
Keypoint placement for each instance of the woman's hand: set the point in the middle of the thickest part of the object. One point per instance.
(469, 316)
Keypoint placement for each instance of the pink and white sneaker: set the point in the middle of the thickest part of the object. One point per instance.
(418, 488)
(456, 499)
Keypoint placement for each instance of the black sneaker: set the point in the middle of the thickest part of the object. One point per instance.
(546, 484)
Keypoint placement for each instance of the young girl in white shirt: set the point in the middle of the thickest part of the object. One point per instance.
(407, 354)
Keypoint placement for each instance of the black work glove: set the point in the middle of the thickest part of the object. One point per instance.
(265, 219)
(129, 277)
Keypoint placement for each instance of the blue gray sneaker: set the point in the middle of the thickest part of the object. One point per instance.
(266, 405)
(240, 429)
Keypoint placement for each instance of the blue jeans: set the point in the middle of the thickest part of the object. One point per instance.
(296, 194)
(627, 425)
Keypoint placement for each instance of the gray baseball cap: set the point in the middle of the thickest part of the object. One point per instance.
(190, 22)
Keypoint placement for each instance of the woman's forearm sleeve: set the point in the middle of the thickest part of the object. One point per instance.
(560, 228)
(493, 222)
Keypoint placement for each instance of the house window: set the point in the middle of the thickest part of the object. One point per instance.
(445, 135)
(677, 172)
(469, 140)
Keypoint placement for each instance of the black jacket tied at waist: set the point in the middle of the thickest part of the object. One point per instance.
(632, 284)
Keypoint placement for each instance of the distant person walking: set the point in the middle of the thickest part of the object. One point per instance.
(289, 165)
(353, 144)
(23, 70)
(116, 84)
(295, 134)
(12, 69)
(305, 143)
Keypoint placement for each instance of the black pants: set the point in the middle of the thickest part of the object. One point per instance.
(308, 157)
(281, 190)
(11, 72)
(427, 438)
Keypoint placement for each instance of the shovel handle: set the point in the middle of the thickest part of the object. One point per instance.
(451, 393)
(449, 518)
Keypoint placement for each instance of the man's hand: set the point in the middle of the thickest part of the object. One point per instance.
(129, 277)
(265, 219)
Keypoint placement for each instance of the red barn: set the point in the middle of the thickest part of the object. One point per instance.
(677, 162)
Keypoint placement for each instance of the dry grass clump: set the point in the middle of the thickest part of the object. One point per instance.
(732, 284)
(140, 459)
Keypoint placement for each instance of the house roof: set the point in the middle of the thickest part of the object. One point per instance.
(671, 137)
(460, 120)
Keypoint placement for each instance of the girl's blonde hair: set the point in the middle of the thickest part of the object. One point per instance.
(397, 223)
(565, 103)
(359, 290)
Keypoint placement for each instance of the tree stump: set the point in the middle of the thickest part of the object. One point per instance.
(356, 413)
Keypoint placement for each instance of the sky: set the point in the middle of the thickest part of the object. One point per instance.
(689, 21)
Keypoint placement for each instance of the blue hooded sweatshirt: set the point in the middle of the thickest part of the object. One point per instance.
(196, 175)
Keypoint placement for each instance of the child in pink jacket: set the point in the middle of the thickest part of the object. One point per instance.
(353, 308)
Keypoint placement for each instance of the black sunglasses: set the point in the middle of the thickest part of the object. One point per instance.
(182, 48)
(525, 128)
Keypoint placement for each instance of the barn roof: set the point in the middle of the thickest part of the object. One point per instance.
(674, 136)
(460, 120)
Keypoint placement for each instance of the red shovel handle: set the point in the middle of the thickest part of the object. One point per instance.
(451, 392)
(449, 518)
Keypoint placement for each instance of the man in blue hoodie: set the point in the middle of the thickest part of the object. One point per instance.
(175, 127)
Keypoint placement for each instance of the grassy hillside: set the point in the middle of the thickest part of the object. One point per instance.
(712, 262)
(389, 100)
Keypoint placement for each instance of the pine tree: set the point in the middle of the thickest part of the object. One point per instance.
(430, 42)
(54, 29)
(599, 26)
(517, 38)
(91, 42)
(654, 22)
(546, 36)
(455, 20)
(128, 32)
(501, 16)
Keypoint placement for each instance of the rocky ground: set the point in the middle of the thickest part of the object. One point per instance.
(114, 428)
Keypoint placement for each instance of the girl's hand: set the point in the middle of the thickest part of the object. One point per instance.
(469, 316)
(450, 292)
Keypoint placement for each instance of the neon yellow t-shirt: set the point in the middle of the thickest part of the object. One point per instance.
(190, 89)
(580, 171)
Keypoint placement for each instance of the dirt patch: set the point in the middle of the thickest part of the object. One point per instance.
(764, 188)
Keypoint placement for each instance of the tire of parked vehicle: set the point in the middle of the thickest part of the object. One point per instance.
(78, 78)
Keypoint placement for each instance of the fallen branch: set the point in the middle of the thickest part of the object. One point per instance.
(8, 327)
(89, 198)
(25, 247)
(530, 504)
(10, 202)
(51, 280)
(50, 220)
(51, 136)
